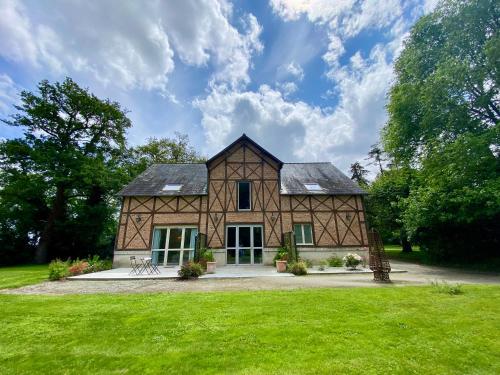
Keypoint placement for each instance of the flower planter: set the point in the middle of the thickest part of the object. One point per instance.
(281, 265)
(211, 267)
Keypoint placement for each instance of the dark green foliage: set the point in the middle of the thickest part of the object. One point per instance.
(444, 124)
(69, 164)
(358, 174)
(190, 270)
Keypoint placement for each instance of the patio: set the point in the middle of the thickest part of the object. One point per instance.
(223, 272)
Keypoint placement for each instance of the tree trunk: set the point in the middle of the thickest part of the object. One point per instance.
(47, 236)
(405, 243)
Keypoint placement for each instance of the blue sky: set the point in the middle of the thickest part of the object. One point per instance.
(306, 79)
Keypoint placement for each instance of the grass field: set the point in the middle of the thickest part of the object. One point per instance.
(363, 330)
(417, 256)
(17, 276)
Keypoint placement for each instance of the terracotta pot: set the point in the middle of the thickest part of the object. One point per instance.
(211, 267)
(281, 265)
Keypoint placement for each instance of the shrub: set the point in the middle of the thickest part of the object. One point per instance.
(282, 254)
(446, 288)
(190, 270)
(335, 261)
(322, 265)
(307, 262)
(58, 269)
(352, 260)
(78, 267)
(297, 268)
(95, 264)
(208, 256)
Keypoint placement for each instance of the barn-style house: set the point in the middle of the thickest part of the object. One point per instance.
(243, 200)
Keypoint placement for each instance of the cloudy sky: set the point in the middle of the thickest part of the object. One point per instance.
(307, 79)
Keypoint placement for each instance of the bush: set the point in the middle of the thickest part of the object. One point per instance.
(335, 261)
(95, 264)
(307, 262)
(78, 267)
(190, 270)
(208, 256)
(446, 288)
(58, 269)
(352, 260)
(298, 268)
(282, 254)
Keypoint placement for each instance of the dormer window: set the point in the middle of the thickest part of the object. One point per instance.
(172, 187)
(313, 186)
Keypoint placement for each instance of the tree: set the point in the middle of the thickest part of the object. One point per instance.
(71, 142)
(376, 155)
(444, 112)
(385, 204)
(358, 174)
(163, 151)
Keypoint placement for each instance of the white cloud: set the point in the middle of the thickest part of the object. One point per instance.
(287, 88)
(344, 19)
(291, 70)
(302, 132)
(129, 44)
(9, 92)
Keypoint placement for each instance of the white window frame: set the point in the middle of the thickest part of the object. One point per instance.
(308, 186)
(303, 233)
(182, 249)
(249, 195)
(172, 187)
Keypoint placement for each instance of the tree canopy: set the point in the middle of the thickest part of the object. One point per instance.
(59, 181)
(444, 112)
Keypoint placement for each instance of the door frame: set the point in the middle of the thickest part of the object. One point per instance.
(252, 248)
(182, 249)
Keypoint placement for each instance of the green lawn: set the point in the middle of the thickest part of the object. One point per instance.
(16, 276)
(417, 256)
(400, 330)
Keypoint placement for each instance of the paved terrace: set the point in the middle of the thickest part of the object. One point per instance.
(223, 272)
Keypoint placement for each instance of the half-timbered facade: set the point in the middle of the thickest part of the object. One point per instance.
(243, 199)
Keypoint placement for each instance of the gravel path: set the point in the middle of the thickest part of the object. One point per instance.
(416, 275)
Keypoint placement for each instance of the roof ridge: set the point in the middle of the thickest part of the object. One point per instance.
(311, 162)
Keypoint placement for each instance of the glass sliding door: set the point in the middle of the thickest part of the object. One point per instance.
(173, 246)
(244, 244)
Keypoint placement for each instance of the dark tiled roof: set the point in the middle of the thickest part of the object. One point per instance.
(331, 180)
(193, 178)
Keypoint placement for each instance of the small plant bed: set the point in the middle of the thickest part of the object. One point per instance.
(59, 269)
(190, 270)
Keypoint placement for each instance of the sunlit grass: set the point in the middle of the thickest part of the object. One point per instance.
(17, 276)
(317, 331)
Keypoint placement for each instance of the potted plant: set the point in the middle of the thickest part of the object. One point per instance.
(281, 259)
(351, 261)
(208, 257)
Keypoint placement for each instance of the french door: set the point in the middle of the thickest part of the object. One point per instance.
(244, 244)
(173, 246)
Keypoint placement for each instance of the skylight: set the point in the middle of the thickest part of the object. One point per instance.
(172, 187)
(313, 186)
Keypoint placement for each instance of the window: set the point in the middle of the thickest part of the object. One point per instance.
(173, 246)
(172, 187)
(303, 234)
(313, 186)
(244, 196)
